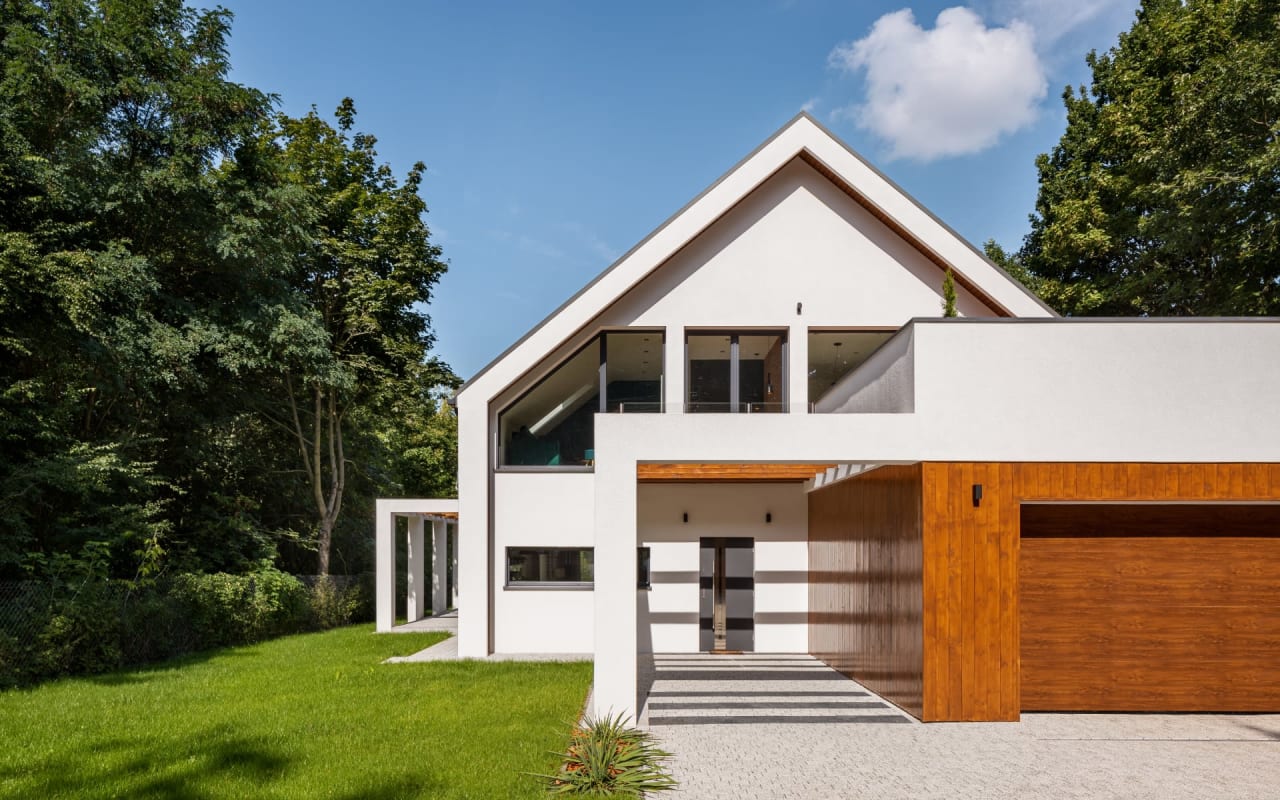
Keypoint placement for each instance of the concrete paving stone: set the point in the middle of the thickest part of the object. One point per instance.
(1059, 756)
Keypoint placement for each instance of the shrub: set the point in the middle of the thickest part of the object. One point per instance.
(333, 605)
(224, 609)
(609, 758)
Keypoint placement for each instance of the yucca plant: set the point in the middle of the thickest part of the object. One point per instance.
(606, 757)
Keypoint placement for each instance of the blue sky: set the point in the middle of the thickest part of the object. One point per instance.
(557, 135)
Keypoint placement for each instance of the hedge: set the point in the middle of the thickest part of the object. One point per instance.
(49, 631)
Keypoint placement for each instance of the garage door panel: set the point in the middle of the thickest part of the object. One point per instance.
(1229, 571)
(1116, 618)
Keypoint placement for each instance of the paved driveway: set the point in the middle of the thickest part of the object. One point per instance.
(761, 726)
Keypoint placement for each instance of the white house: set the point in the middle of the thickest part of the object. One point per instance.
(755, 432)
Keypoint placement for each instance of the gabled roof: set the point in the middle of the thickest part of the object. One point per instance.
(804, 138)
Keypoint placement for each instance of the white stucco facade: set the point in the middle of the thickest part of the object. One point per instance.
(802, 237)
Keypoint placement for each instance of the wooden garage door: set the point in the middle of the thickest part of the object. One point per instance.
(1150, 607)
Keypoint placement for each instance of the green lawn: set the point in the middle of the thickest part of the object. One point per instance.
(307, 716)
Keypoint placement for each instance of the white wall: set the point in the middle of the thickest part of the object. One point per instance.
(670, 608)
(542, 510)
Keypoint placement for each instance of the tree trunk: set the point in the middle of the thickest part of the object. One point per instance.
(327, 485)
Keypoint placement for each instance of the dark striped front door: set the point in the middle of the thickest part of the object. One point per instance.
(726, 612)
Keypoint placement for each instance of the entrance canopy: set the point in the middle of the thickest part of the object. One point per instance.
(443, 514)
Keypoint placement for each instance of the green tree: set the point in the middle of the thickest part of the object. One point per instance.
(208, 314)
(122, 262)
(365, 273)
(1163, 195)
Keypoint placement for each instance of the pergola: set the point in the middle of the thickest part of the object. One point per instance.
(443, 515)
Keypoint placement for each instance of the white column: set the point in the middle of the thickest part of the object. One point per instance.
(473, 506)
(614, 689)
(673, 371)
(384, 557)
(416, 587)
(798, 370)
(439, 566)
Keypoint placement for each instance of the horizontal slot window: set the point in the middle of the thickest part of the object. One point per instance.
(550, 566)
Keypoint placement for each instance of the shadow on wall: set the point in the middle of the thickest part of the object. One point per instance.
(644, 631)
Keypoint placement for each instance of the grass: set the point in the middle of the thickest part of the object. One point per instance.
(315, 715)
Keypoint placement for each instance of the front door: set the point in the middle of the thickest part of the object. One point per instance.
(726, 614)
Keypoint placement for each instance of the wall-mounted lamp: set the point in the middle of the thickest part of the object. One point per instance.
(799, 308)
(686, 516)
(768, 516)
(977, 495)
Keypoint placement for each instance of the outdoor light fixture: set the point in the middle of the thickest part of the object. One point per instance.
(768, 516)
(686, 516)
(977, 495)
(799, 306)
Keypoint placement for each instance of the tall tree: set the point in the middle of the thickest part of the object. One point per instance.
(366, 272)
(1163, 195)
(121, 262)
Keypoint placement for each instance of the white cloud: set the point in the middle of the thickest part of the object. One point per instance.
(809, 105)
(952, 90)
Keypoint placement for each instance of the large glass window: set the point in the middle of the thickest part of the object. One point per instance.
(549, 566)
(834, 354)
(736, 373)
(633, 372)
(551, 425)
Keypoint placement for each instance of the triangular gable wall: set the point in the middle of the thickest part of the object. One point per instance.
(804, 139)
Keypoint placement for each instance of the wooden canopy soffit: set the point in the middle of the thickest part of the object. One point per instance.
(728, 473)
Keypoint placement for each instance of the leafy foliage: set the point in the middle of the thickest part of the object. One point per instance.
(175, 258)
(607, 757)
(94, 625)
(1163, 195)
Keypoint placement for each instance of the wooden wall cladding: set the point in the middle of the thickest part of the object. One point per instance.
(970, 592)
(972, 622)
(865, 570)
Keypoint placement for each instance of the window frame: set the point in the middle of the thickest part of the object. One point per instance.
(509, 584)
(837, 329)
(735, 389)
(597, 339)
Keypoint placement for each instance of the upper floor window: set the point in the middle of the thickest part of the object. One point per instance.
(736, 372)
(551, 424)
(834, 354)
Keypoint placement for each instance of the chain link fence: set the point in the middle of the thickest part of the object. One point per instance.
(25, 607)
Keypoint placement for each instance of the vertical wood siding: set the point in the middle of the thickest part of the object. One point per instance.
(865, 567)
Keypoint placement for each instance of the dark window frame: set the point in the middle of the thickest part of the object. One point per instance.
(541, 585)
(734, 335)
(599, 341)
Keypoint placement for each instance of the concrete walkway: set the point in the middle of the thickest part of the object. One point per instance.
(777, 727)
(448, 621)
